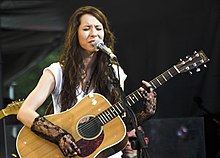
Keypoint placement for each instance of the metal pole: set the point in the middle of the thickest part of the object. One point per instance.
(3, 141)
(3, 146)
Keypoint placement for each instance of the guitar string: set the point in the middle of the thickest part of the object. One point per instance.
(93, 121)
(88, 125)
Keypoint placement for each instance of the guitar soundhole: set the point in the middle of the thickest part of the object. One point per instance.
(89, 128)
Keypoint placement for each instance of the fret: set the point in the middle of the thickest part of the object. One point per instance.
(113, 110)
(135, 97)
(161, 78)
(121, 106)
(117, 107)
(106, 114)
(170, 73)
(128, 102)
(131, 99)
(164, 77)
(151, 82)
(155, 83)
(99, 120)
(102, 119)
(138, 93)
(176, 69)
(105, 118)
(109, 113)
(158, 81)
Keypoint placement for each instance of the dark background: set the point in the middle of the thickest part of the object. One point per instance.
(151, 37)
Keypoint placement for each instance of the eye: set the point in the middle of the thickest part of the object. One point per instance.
(99, 28)
(86, 29)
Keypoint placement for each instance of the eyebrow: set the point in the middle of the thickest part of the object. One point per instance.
(88, 25)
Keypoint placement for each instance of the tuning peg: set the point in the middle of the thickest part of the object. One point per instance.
(194, 64)
(187, 68)
(190, 72)
(195, 52)
(205, 65)
(181, 59)
(202, 61)
(198, 69)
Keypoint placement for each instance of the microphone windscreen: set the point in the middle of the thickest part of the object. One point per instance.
(97, 43)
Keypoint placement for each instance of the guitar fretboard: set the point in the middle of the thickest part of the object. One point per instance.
(164, 77)
(135, 96)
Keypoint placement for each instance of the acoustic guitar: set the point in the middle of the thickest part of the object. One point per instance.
(95, 123)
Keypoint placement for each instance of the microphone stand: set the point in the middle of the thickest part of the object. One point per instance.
(141, 144)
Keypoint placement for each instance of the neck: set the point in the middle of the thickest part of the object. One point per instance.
(88, 59)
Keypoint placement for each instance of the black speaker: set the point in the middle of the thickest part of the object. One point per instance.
(176, 137)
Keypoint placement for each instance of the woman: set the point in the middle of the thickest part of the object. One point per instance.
(81, 70)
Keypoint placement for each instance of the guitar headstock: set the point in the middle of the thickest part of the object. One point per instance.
(12, 108)
(192, 62)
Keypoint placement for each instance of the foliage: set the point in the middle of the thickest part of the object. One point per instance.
(26, 83)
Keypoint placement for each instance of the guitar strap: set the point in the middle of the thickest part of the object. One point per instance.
(88, 83)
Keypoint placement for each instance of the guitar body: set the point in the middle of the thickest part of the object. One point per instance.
(93, 140)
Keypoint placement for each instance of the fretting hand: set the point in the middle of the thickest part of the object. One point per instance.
(150, 98)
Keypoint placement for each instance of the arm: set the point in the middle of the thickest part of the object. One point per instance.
(40, 125)
(147, 109)
(150, 101)
(36, 98)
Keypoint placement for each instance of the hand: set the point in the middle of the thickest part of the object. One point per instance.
(67, 145)
(150, 97)
(47, 130)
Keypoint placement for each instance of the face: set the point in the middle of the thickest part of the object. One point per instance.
(89, 30)
(128, 151)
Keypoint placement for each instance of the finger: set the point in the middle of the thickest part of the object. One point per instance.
(75, 147)
(72, 154)
(147, 84)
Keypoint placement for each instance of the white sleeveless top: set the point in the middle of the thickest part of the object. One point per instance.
(56, 70)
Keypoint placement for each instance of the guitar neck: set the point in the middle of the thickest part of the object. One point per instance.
(135, 96)
(164, 77)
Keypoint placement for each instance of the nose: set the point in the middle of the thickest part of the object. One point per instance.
(94, 32)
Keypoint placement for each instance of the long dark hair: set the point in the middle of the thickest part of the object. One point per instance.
(72, 62)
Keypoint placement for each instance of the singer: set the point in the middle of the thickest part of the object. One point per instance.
(82, 70)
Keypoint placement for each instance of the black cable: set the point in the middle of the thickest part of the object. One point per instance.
(142, 150)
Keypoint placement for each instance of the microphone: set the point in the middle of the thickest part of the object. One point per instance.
(99, 44)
